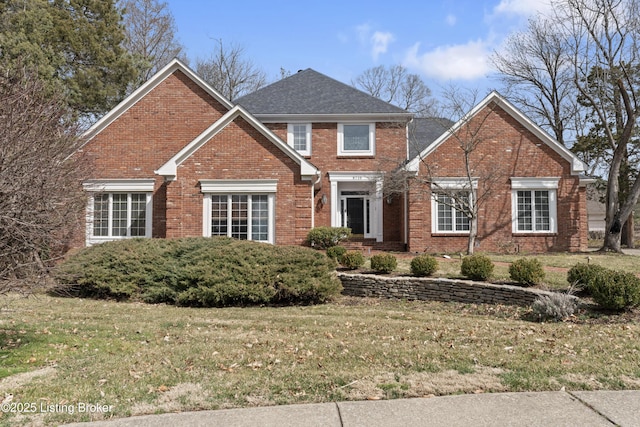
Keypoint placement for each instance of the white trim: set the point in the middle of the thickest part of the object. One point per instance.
(372, 140)
(252, 186)
(377, 207)
(577, 165)
(119, 185)
(553, 210)
(148, 86)
(448, 185)
(206, 214)
(453, 184)
(335, 118)
(170, 169)
(90, 239)
(518, 183)
(290, 137)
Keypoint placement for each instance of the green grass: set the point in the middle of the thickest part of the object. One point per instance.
(154, 358)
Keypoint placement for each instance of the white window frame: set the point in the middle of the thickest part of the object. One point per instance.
(446, 186)
(532, 185)
(290, 137)
(229, 188)
(111, 187)
(372, 140)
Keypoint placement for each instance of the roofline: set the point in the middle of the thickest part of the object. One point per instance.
(333, 118)
(148, 86)
(170, 169)
(577, 165)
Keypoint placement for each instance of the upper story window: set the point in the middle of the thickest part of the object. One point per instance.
(357, 139)
(299, 137)
(534, 205)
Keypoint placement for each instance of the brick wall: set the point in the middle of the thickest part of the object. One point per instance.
(505, 149)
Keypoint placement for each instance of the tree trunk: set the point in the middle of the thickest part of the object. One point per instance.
(626, 239)
(611, 243)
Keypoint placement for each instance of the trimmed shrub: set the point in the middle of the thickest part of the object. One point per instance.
(202, 272)
(384, 263)
(583, 274)
(557, 306)
(325, 237)
(424, 265)
(352, 260)
(526, 271)
(477, 267)
(335, 252)
(615, 290)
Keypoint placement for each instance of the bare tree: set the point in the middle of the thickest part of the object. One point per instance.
(41, 198)
(229, 72)
(538, 74)
(602, 38)
(150, 35)
(397, 86)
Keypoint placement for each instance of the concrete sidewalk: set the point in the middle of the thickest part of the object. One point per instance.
(590, 408)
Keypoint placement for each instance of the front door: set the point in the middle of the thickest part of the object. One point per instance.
(355, 210)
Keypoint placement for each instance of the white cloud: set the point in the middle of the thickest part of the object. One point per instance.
(451, 20)
(380, 42)
(523, 7)
(456, 62)
(377, 41)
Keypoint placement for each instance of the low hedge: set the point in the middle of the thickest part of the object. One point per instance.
(384, 263)
(477, 267)
(424, 265)
(201, 272)
(527, 271)
(326, 237)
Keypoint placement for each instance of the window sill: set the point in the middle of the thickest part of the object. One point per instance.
(356, 156)
(535, 234)
(449, 234)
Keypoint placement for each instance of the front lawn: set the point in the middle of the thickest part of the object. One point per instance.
(140, 358)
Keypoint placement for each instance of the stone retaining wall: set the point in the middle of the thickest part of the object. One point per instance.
(437, 289)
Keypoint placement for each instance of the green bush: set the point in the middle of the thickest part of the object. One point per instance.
(424, 265)
(615, 290)
(335, 252)
(583, 274)
(477, 267)
(203, 272)
(526, 271)
(325, 237)
(352, 260)
(384, 263)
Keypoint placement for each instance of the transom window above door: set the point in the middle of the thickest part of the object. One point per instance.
(357, 139)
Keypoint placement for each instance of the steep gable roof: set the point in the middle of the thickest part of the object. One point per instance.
(310, 93)
(170, 169)
(423, 131)
(148, 86)
(577, 165)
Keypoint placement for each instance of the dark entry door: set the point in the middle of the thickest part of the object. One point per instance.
(355, 214)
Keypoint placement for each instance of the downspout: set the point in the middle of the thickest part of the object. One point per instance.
(313, 207)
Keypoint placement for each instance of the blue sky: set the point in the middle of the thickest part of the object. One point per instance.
(444, 41)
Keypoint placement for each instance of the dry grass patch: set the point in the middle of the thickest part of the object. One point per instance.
(155, 358)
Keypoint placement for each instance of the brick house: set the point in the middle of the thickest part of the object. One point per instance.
(176, 159)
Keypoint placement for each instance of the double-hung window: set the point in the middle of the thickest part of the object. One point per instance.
(299, 137)
(534, 206)
(242, 209)
(118, 209)
(356, 139)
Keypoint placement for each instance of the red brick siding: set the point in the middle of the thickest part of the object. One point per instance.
(506, 150)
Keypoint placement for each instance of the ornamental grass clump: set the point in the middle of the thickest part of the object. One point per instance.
(557, 306)
(424, 265)
(477, 267)
(527, 271)
(384, 263)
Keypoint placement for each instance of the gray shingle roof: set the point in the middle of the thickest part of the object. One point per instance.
(310, 92)
(424, 131)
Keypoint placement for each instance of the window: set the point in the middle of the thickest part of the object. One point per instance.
(242, 209)
(119, 215)
(451, 212)
(241, 216)
(118, 209)
(299, 137)
(356, 139)
(534, 205)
